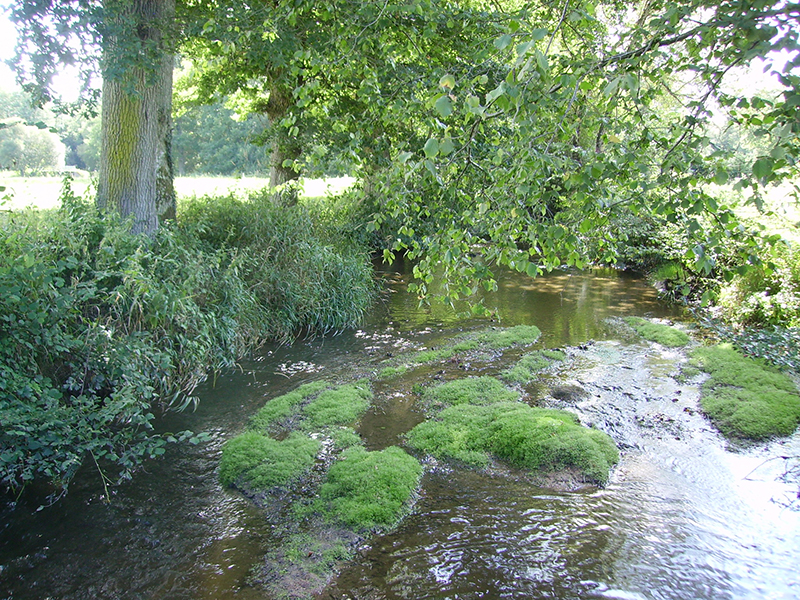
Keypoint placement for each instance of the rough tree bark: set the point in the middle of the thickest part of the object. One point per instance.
(135, 176)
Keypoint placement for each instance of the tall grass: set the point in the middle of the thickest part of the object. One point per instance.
(99, 327)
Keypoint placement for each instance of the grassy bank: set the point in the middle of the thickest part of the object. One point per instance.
(99, 327)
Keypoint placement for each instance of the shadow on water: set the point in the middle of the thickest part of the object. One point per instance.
(679, 519)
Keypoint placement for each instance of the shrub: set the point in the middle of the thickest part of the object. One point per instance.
(371, 490)
(257, 462)
(656, 332)
(744, 397)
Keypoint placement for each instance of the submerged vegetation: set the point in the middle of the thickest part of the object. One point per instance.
(744, 397)
(101, 327)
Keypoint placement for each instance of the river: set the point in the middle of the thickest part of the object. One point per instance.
(684, 516)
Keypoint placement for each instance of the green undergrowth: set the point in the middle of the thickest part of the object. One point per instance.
(536, 439)
(656, 332)
(99, 328)
(498, 339)
(744, 397)
(531, 364)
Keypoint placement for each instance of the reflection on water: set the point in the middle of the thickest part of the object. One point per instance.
(682, 517)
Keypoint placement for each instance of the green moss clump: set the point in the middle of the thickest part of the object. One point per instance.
(371, 490)
(258, 462)
(338, 406)
(459, 432)
(661, 334)
(472, 390)
(390, 372)
(745, 398)
(531, 364)
(344, 437)
(283, 407)
(523, 436)
(549, 440)
(520, 335)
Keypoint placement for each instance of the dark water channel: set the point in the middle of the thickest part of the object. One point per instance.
(683, 517)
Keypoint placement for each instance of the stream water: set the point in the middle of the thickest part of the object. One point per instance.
(683, 517)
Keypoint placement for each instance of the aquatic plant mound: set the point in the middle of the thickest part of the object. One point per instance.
(530, 365)
(520, 335)
(256, 462)
(656, 332)
(338, 406)
(313, 407)
(371, 490)
(472, 390)
(745, 398)
(537, 439)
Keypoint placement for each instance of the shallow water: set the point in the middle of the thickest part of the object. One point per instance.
(683, 516)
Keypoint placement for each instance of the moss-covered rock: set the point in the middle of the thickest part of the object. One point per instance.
(537, 439)
(472, 390)
(656, 332)
(531, 364)
(256, 462)
(746, 398)
(371, 490)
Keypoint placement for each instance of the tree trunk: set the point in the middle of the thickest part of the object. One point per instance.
(135, 178)
(282, 150)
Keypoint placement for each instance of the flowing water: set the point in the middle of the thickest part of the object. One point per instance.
(683, 516)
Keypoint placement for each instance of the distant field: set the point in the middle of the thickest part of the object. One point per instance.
(43, 192)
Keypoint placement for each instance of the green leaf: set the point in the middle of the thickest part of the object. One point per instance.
(444, 107)
(431, 148)
(762, 168)
(503, 41)
(446, 146)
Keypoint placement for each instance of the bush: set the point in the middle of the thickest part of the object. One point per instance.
(745, 398)
(767, 294)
